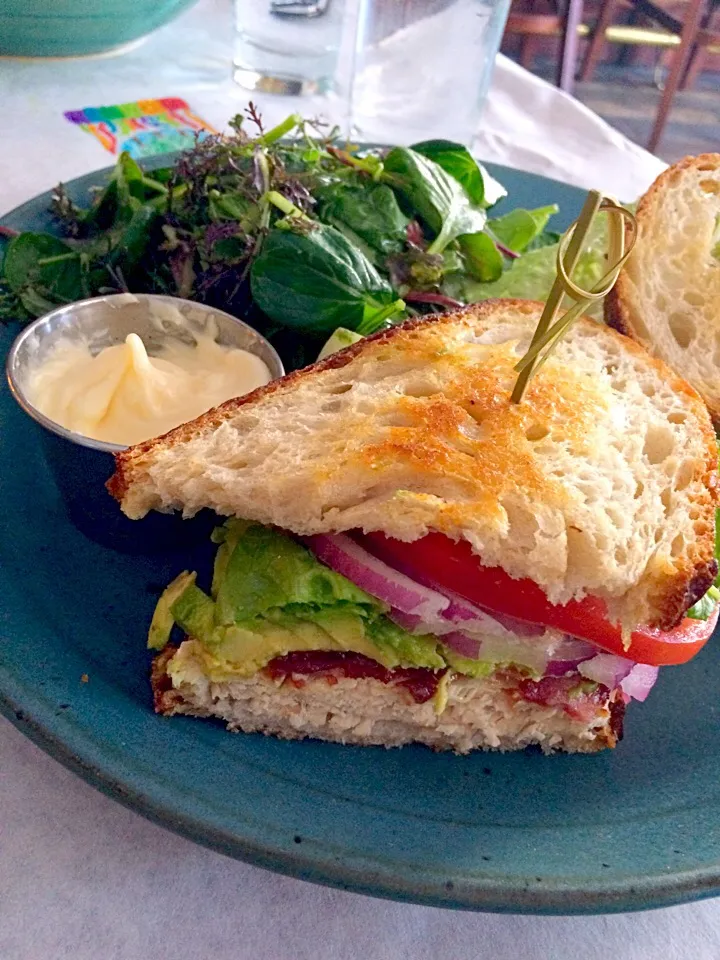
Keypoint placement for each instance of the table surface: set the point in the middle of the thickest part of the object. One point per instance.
(81, 877)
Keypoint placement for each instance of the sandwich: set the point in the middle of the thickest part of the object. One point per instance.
(408, 556)
(668, 296)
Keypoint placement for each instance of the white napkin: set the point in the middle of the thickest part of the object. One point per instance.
(81, 878)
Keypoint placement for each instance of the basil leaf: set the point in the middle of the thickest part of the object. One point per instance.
(519, 228)
(372, 214)
(494, 190)
(42, 271)
(479, 184)
(134, 241)
(456, 160)
(316, 281)
(437, 197)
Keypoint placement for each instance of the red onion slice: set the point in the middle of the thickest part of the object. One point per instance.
(640, 681)
(636, 680)
(606, 668)
(421, 609)
(343, 555)
(408, 621)
(436, 607)
(463, 644)
(462, 611)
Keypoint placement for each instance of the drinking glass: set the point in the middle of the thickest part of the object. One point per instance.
(421, 68)
(287, 46)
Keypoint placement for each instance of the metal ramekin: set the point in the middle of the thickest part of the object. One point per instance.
(80, 465)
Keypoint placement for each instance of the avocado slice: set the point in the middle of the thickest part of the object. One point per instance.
(162, 619)
(250, 646)
(466, 666)
(194, 611)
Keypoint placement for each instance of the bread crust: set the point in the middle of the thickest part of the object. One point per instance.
(671, 588)
(367, 712)
(621, 306)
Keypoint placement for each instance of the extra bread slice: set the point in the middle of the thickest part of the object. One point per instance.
(668, 296)
(602, 481)
(480, 714)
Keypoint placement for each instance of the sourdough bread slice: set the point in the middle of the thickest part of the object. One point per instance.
(668, 296)
(602, 481)
(479, 714)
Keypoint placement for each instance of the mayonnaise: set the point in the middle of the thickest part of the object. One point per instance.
(124, 396)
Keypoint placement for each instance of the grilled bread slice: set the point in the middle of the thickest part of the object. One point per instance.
(668, 296)
(479, 714)
(602, 481)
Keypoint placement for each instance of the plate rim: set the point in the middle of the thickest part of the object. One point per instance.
(634, 893)
(27, 714)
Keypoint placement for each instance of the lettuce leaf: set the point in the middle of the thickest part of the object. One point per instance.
(531, 276)
(519, 228)
(268, 571)
(703, 609)
(271, 596)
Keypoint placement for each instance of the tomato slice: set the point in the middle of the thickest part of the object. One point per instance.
(435, 559)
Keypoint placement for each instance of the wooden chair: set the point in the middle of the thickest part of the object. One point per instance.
(558, 19)
(692, 31)
(698, 56)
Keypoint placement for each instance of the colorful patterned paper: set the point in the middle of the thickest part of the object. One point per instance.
(143, 128)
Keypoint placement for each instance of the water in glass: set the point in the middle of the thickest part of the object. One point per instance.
(287, 46)
(422, 67)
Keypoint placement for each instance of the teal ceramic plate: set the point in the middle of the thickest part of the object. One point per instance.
(634, 828)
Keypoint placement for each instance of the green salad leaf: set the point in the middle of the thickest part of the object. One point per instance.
(481, 258)
(456, 160)
(531, 276)
(438, 198)
(705, 606)
(519, 228)
(371, 213)
(317, 280)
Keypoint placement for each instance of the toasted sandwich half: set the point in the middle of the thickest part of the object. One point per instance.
(412, 557)
(668, 296)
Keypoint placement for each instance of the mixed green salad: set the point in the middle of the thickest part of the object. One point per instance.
(295, 232)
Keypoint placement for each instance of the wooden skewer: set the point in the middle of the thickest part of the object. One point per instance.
(549, 331)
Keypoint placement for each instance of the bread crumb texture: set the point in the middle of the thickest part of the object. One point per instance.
(668, 296)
